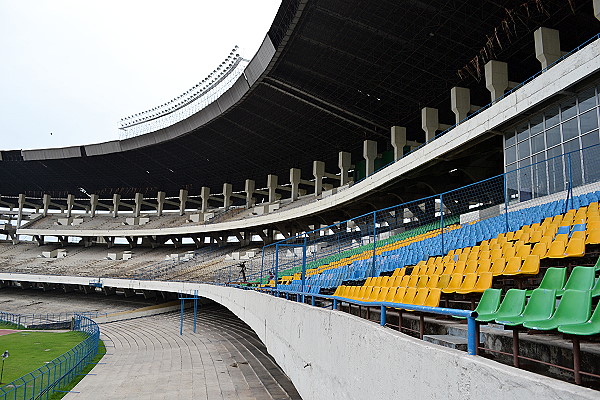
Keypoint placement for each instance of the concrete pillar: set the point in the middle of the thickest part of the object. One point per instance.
(227, 191)
(116, 202)
(318, 173)
(344, 164)
(249, 187)
(139, 199)
(597, 9)
(160, 202)
(370, 154)
(46, 201)
(547, 46)
(398, 137)
(21, 205)
(460, 102)
(205, 195)
(272, 182)
(93, 204)
(496, 78)
(429, 122)
(295, 176)
(183, 195)
(70, 202)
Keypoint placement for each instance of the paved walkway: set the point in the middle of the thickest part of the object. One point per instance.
(148, 359)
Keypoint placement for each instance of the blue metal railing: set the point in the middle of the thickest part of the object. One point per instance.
(42, 382)
(472, 339)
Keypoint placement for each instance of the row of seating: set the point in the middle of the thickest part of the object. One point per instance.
(425, 296)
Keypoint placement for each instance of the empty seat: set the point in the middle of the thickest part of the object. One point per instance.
(581, 278)
(484, 266)
(512, 305)
(590, 327)
(484, 282)
(574, 308)
(512, 266)
(498, 266)
(443, 281)
(541, 306)
(454, 284)
(575, 248)
(557, 249)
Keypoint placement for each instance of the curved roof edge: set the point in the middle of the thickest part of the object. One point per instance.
(255, 69)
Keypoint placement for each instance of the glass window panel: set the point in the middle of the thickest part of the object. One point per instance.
(511, 154)
(556, 177)
(537, 143)
(571, 145)
(569, 129)
(509, 139)
(587, 99)
(537, 124)
(540, 177)
(573, 162)
(511, 167)
(522, 133)
(553, 136)
(512, 186)
(552, 116)
(525, 180)
(523, 149)
(568, 109)
(589, 120)
(590, 139)
(591, 162)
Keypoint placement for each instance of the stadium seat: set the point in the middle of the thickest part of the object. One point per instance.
(590, 327)
(399, 295)
(575, 248)
(541, 306)
(512, 305)
(557, 249)
(581, 278)
(498, 266)
(484, 282)
(433, 298)
(574, 308)
(454, 284)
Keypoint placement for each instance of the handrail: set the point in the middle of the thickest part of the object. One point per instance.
(472, 340)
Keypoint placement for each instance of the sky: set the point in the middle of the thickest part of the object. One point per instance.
(71, 69)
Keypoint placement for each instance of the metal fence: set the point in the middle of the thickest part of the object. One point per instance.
(50, 378)
(380, 241)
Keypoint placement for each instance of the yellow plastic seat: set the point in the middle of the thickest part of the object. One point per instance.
(593, 237)
(443, 281)
(540, 249)
(422, 282)
(471, 266)
(382, 294)
(399, 296)
(484, 265)
(482, 282)
(368, 281)
(384, 281)
(498, 266)
(578, 235)
(412, 282)
(556, 249)
(575, 248)
(563, 236)
(391, 294)
(468, 283)
(459, 267)
(454, 284)
(510, 236)
(508, 251)
(421, 296)
(433, 298)
(399, 272)
(396, 282)
(523, 251)
(409, 296)
(495, 254)
(484, 254)
(531, 265)
(433, 281)
(536, 236)
(512, 266)
(371, 293)
(439, 269)
(339, 291)
(448, 268)
(405, 279)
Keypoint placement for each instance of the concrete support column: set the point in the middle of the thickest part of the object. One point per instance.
(205, 195)
(116, 202)
(160, 202)
(21, 205)
(250, 187)
(597, 9)
(139, 199)
(430, 122)
(93, 204)
(272, 182)
(70, 202)
(183, 195)
(318, 173)
(344, 164)
(370, 154)
(496, 78)
(547, 46)
(398, 138)
(46, 201)
(460, 101)
(295, 177)
(227, 191)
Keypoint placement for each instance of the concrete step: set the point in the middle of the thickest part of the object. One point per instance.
(453, 342)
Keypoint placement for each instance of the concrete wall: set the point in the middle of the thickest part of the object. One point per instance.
(331, 354)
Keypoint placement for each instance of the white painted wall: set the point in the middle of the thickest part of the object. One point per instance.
(334, 355)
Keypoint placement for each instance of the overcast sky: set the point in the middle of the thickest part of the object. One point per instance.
(74, 68)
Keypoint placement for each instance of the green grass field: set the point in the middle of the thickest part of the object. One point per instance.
(30, 350)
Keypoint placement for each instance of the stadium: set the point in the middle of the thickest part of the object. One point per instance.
(389, 199)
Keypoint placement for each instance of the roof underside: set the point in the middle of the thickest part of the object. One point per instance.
(345, 71)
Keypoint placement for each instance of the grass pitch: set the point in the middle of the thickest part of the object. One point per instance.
(30, 350)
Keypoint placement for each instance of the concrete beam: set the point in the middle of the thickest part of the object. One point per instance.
(547, 46)
(344, 164)
(369, 154)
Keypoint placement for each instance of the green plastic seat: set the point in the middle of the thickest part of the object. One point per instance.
(554, 278)
(590, 327)
(574, 308)
(596, 288)
(597, 266)
(541, 306)
(581, 278)
(489, 302)
(512, 306)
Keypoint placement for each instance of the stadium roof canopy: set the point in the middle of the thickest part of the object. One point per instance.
(340, 72)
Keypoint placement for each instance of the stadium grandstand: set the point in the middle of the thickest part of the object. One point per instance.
(400, 199)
